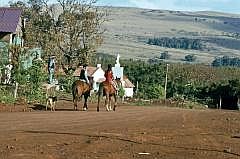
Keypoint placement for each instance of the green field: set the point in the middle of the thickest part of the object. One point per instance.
(129, 29)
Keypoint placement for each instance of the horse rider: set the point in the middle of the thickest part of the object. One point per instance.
(109, 76)
(83, 74)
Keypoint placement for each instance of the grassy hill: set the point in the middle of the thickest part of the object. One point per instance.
(129, 29)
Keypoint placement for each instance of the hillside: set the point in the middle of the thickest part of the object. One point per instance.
(129, 29)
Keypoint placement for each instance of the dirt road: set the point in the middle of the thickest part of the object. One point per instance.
(130, 132)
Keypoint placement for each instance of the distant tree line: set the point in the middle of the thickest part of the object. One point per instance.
(226, 61)
(229, 43)
(178, 43)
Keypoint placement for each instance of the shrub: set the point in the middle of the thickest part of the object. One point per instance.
(30, 81)
(190, 58)
(121, 91)
(165, 55)
(6, 96)
(66, 82)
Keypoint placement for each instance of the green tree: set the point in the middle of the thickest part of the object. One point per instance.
(35, 79)
(121, 93)
(190, 58)
(154, 91)
(165, 55)
(70, 30)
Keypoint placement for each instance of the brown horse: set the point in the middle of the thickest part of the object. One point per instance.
(79, 89)
(108, 90)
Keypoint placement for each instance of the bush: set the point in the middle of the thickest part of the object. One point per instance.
(66, 82)
(154, 91)
(121, 92)
(165, 55)
(31, 81)
(190, 58)
(6, 96)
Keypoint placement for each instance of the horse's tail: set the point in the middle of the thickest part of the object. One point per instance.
(100, 94)
(100, 89)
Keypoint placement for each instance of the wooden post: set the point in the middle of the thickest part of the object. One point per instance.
(0, 75)
(15, 90)
(137, 88)
(238, 103)
(166, 79)
(220, 103)
(122, 100)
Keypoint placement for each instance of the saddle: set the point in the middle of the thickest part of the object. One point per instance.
(110, 86)
(83, 80)
(87, 86)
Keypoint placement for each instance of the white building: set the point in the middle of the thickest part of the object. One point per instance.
(117, 69)
(128, 87)
(118, 73)
(97, 73)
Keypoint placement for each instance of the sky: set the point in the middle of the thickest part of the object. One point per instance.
(229, 6)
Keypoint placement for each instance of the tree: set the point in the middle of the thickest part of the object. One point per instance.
(154, 91)
(121, 93)
(3, 53)
(190, 58)
(80, 26)
(226, 61)
(70, 30)
(178, 43)
(165, 55)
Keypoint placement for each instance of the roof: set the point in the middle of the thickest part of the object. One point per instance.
(90, 71)
(60, 71)
(100, 80)
(9, 19)
(127, 83)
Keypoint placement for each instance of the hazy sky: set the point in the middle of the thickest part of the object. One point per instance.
(231, 6)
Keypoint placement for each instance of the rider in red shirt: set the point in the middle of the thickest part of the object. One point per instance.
(109, 74)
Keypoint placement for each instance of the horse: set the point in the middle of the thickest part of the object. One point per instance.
(108, 90)
(81, 88)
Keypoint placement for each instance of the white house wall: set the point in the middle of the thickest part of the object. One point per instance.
(99, 74)
(128, 92)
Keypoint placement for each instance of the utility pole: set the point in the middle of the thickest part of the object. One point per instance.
(137, 88)
(166, 79)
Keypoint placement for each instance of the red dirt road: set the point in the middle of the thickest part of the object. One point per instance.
(130, 132)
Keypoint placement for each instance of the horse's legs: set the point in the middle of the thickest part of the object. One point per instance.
(85, 107)
(110, 102)
(75, 97)
(75, 101)
(107, 101)
(115, 102)
(99, 96)
(54, 105)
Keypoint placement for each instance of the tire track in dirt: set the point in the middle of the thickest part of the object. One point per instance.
(206, 141)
